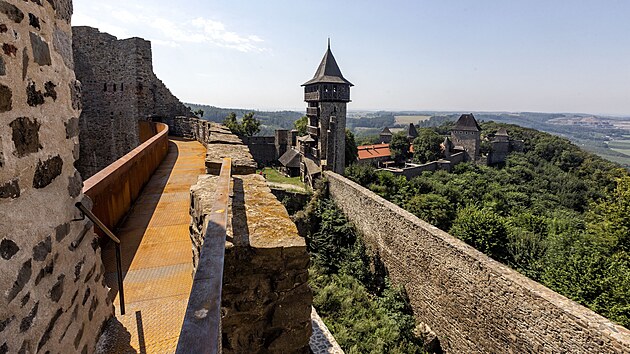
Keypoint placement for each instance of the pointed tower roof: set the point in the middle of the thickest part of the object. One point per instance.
(412, 132)
(467, 122)
(386, 131)
(328, 71)
(501, 132)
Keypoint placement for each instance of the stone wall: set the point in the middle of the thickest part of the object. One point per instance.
(473, 303)
(118, 89)
(266, 301)
(52, 296)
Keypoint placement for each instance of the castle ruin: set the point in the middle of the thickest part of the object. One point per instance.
(118, 88)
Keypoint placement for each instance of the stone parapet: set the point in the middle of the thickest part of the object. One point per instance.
(473, 303)
(266, 300)
(242, 161)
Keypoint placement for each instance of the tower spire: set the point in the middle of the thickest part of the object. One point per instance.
(328, 43)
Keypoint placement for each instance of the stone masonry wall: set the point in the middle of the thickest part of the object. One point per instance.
(266, 301)
(473, 303)
(52, 295)
(119, 88)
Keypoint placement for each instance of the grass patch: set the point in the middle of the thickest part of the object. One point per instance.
(274, 176)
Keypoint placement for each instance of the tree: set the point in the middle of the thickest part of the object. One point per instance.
(352, 152)
(199, 113)
(482, 229)
(300, 125)
(399, 147)
(426, 147)
(248, 126)
(231, 123)
(432, 208)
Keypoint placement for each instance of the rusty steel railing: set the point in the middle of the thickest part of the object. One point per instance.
(114, 189)
(88, 213)
(201, 331)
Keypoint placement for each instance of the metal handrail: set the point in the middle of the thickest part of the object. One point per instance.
(201, 330)
(87, 212)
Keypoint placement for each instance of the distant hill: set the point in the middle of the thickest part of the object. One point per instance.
(270, 121)
(609, 137)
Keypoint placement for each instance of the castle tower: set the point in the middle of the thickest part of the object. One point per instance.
(466, 134)
(327, 94)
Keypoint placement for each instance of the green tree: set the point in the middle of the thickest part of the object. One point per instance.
(432, 208)
(232, 123)
(249, 126)
(300, 125)
(482, 229)
(352, 153)
(426, 147)
(399, 147)
(199, 113)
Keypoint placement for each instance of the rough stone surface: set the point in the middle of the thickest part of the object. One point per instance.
(473, 303)
(25, 136)
(11, 11)
(8, 249)
(47, 171)
(6, 99)
(42, 249)
(322, 341)
(41, 51)
(266, 299)
(10, 189)
(35, 96)
(118, 88)
(242, 161)
(37, 212)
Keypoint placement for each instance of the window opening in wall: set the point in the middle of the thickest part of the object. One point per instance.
(105, 87)
(122, 87)
(114, 87)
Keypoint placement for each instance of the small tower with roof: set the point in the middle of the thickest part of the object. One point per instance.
(385, 136)
(466, 135)
(327, 94)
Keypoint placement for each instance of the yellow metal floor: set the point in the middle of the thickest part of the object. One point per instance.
(156, 252)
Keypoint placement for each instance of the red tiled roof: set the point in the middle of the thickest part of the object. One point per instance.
(373, 151)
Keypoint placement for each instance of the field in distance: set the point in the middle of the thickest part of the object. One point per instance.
(405, 120)
(621, 145)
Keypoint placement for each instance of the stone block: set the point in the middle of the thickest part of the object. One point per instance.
(242, 161)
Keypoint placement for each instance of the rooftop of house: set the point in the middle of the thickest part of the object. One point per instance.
(373, 151)
(467, 122)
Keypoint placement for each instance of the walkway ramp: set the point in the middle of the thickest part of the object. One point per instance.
(156, 252)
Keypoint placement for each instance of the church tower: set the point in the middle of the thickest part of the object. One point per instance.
(327, 94)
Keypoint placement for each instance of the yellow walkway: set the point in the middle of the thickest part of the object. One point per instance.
(156, 252)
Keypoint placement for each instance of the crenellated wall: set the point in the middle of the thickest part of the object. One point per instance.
(119, 88)
(473, 303)
(52, 296)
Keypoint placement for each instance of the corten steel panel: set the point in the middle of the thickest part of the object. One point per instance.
(114, 189)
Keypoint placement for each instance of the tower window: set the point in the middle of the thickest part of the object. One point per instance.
(114, 87)
(105, 87)
(122, 87)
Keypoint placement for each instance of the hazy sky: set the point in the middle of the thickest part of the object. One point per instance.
(529, 55)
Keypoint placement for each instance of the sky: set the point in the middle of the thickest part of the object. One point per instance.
(481, 55)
